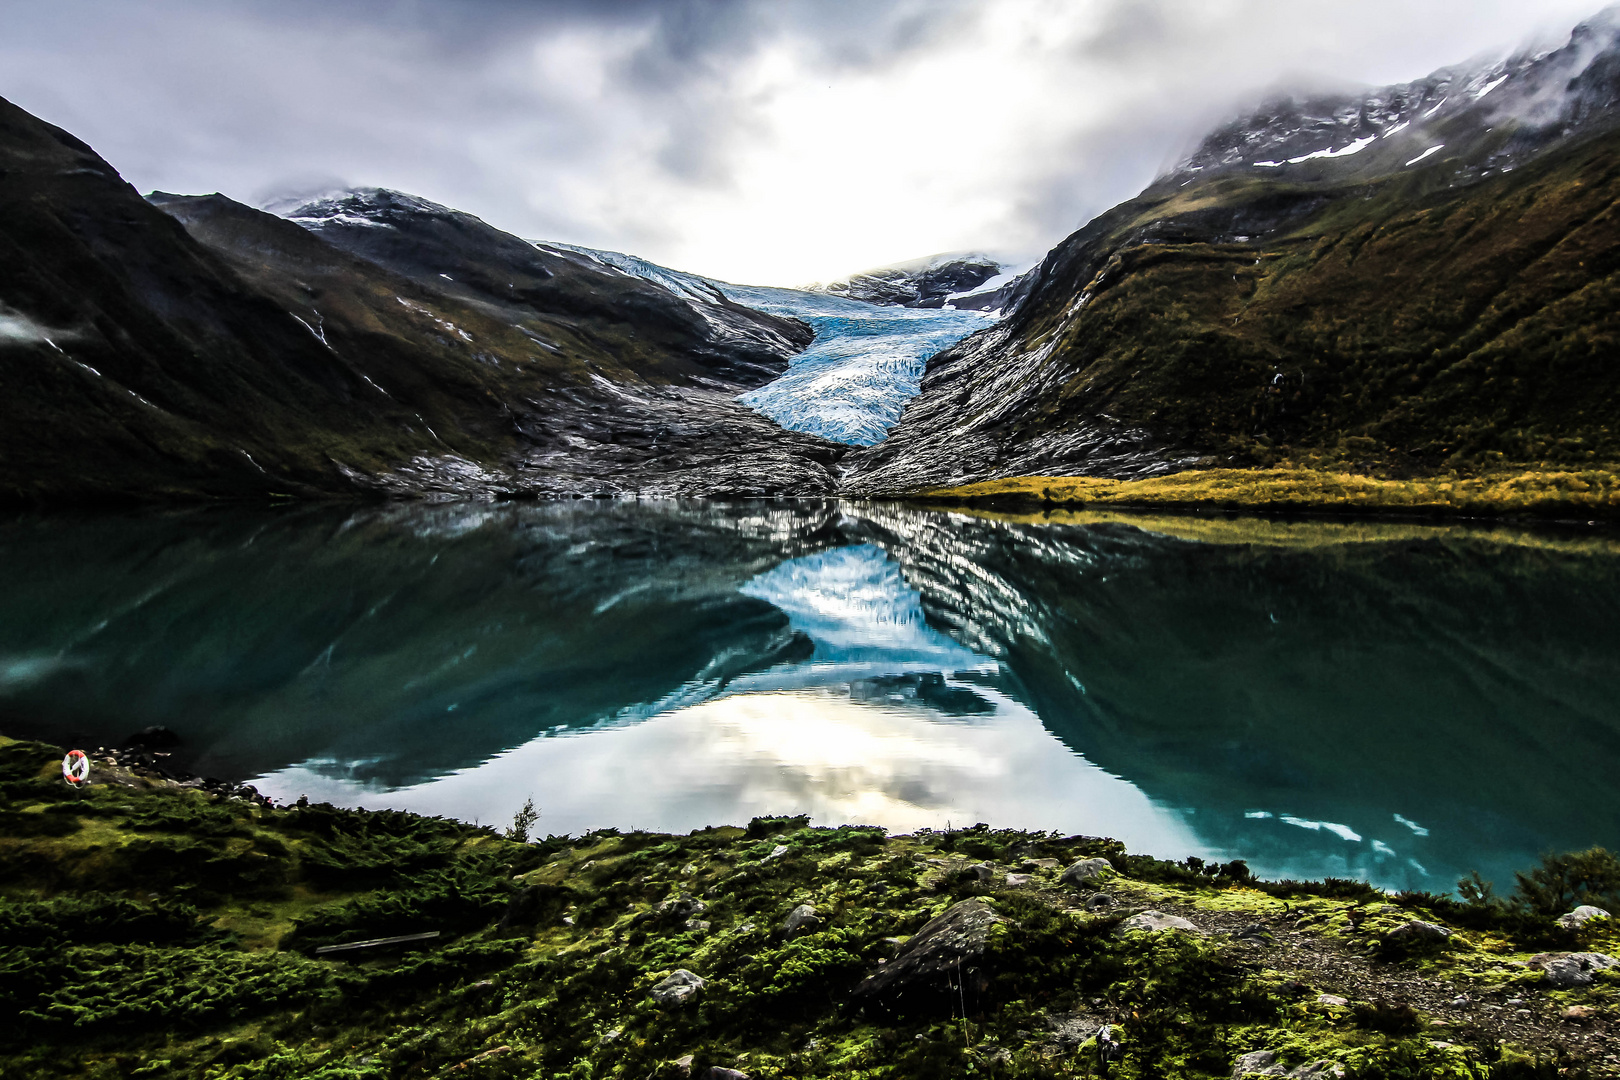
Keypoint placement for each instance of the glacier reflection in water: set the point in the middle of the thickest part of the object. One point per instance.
(887, 721)
(1402, 702)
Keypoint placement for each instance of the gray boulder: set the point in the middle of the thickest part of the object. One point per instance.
(1418, 932)
(949, 943)
(1565, 971)
(1154, 921)
(1086, 870)
(677, 988)
(1582, 915)
(801, 920)
(1256, 1063)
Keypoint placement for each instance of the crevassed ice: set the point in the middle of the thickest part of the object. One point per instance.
(865, 363)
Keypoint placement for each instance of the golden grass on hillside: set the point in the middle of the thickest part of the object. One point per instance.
(1587, 494)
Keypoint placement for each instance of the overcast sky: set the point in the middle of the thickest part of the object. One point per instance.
(773, 142)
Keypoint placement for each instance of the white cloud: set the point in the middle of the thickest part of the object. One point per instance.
(774, 142)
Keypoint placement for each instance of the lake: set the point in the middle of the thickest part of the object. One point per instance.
(1403, 702)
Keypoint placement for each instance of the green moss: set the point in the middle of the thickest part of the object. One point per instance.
(547, 954)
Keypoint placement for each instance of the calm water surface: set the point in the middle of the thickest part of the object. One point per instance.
(1400, 702)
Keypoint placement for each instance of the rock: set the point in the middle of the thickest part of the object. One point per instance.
(1256, 1063)
(1030, 866)
(1020, 879)
(1314, 1070)
(1459, 1002)
(1154, 921)
(1418, 932)
(683, 1064)
(1099, 902)
(950, 942)
(1071, 1029)
(776, 853)
(1565, 971)
(1256, 932)
(681, 908)
(1582, 915)
(1086, 870)
(1108, 1047)
(677, 988)
(1332, 1001)
(980, 871)
(801, 920)
(1578, 1014)
(718, 1073)
(695, 925)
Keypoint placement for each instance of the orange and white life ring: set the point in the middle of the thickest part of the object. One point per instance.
(75, 767)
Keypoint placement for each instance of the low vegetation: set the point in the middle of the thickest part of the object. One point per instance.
(1530, 493)
(151, 930)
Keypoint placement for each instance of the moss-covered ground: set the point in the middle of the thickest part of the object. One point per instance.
(1581, 495)
(152, 930)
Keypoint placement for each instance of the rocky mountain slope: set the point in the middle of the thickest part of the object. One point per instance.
(1416, 279)
(195, 347)
(930, 282)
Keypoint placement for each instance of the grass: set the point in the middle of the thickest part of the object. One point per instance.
(549, 949)
(1582, 495)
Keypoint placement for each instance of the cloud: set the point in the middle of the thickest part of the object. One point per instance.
(775, 141)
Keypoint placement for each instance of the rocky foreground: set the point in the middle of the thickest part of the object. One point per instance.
(155, 926)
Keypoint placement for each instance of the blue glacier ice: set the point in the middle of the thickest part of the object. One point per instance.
(866, 361)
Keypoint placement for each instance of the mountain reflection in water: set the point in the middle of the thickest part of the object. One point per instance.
(1401, 702)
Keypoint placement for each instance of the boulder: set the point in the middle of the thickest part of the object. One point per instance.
(1582, 915)
(801, 920)
(1086, 870)
(677, 988)
(1418, 932)
(1019, 879)
(1256, 1063)
(951, 942)
(1317, 1070)
(1565, 971)
(1099, 902)
(1154, 921)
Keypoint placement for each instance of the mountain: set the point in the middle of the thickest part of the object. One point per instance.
(930, 283)
(1410, 280)
(192, 347)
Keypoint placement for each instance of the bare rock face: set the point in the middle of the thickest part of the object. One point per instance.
(947, 947)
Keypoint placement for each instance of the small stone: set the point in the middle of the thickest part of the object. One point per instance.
(1086, 870)
(776, 853)
(981, 871)
(1154, 921)
(1032, 865)
(1020, 879)
(1578, 1014)
(1515, 1003)
(683, 1064)
(801, 920)
(1255, 931)
(1256, 1063)
(681, 908)
(677, 988)
(1332, 1001)
(717, 1073)
(1460, 1002)
(695, 925)
(1582, 915)
(1099, 902)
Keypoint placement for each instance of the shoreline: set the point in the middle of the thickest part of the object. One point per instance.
(772, 950)
(1563, 497)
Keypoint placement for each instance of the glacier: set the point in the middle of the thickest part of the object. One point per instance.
(865, 363)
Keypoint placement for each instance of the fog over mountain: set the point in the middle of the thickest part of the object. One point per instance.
(774, 143)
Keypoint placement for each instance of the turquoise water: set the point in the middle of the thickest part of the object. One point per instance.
(1405, 703)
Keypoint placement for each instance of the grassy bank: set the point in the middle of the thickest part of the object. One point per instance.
(1583, 495)
(155, 930)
